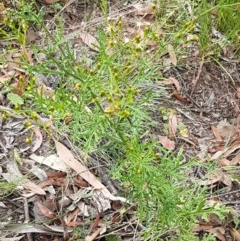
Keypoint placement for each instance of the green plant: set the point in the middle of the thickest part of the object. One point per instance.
(104, 107)
(159, 181)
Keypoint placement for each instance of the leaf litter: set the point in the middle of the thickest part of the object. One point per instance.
(220, 143)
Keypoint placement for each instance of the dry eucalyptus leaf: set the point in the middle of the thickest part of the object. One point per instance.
(45, 90)
(51, 1)
(52, 161)
(143, 9)
(13, 238)
(226, 130)
(98, 231)
(166, 143)
(216, 133)
(235, 234)
(8, 76)
(173, 125)
(38, 140)
(67, 156)
(90, 41)
(14, 175)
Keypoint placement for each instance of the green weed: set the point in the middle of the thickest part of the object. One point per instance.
(6, 188)
(104, 106)
(168, 202)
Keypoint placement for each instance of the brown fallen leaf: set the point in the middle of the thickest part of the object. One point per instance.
(216, 133)
(224, 162)
(220, 177)
(51, 174)
(75, 223)
(72, 217)
(52, 181)
(31, 35)
(231, 149)
(96, 222)
(202, 227)
(166, 143)
(218, 232)
(172, 54)
(79, 182)
(44, 211)
(179, 97)
(12, 63)
(233, 162)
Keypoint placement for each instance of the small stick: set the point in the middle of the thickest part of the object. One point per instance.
(27, 217)
(195, 80)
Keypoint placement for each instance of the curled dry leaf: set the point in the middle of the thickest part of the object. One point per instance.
(175, 82)
(41, 212)
(179, 97)
(72, 216)
(166, 143)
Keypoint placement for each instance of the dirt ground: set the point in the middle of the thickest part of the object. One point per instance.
(209, 96)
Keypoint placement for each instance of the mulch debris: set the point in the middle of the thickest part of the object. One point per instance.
(56, 192)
